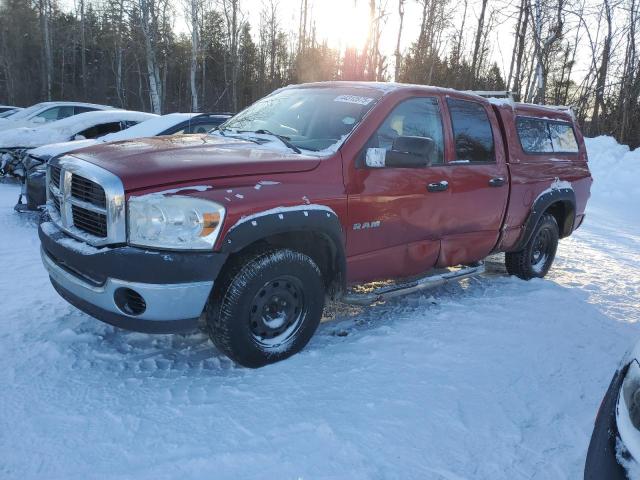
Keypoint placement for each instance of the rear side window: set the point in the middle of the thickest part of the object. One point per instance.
(100, 130)
(563, 138)
(472, 132)
(84, 109)
(546, 136)
(534, 135)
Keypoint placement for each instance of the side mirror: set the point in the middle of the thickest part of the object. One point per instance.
(419, 146)
(406, 152)
(375, 157)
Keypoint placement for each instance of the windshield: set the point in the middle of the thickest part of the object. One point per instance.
(24, 113)
(314, 119)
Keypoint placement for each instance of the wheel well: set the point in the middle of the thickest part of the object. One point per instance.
(318, 246)
(564, 213)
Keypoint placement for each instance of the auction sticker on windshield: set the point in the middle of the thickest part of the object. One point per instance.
(353, 99)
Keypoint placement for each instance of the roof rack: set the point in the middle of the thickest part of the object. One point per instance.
(506, 94)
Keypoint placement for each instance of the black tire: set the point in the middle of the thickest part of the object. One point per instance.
(535, 259)
(267, 307)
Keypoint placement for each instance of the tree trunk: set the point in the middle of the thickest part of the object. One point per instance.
(397, 53)
(599, 106)
(194, 56)
(153, 70)
(47, 64)
(476, 60)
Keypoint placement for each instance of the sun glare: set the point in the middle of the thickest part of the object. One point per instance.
(343, 24)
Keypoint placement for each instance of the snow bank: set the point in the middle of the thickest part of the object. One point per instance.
(616, 176)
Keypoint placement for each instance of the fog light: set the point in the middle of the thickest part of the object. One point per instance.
(129, 301)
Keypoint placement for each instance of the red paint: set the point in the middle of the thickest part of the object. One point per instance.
(419, 229)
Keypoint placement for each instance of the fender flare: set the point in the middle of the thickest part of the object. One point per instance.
(317, 219)
(540, 206)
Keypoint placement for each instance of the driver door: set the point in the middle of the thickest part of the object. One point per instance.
(395, 213)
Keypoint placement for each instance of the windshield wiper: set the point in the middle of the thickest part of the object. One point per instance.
(282, 138)
(220, 129)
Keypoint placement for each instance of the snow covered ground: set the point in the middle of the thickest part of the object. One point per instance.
(491, 378)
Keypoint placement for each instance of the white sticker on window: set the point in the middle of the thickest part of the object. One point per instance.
(353, 99)
(375, 157)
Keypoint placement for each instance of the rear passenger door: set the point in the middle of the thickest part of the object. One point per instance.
(478, 183)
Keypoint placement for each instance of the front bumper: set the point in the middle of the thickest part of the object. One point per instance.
(174, 286)
(602, 461)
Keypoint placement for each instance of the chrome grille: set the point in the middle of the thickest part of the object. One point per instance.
(86, 201)
(94, 223)
(88, 191)
(55, 176)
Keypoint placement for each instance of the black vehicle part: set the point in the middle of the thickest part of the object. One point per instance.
(561, 203)
(601, 462)
(535, 259)
(313, 231)
(266, 307)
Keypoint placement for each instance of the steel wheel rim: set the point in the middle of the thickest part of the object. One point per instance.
(541, 250)
(277, 311)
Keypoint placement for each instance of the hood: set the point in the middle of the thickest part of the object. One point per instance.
(54, 149)
(8, 124)
(157, 161)
(31, 137)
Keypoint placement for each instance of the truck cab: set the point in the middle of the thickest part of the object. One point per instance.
(308, 193)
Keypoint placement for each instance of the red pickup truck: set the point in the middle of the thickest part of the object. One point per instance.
(310, 192)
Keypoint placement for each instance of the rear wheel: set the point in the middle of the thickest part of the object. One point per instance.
(267, 307)
(534, 261)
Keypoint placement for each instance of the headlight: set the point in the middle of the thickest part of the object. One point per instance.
(174, 222)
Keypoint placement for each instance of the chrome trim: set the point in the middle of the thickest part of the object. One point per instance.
(176, 301)
(115, 210)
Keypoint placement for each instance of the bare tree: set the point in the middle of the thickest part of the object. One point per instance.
(193, 14)
(397, 52)
(475, 60)
(47, 56)
(599, 106)
(234, 23)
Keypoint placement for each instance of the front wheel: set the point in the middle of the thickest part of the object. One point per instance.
(266, 308)
(534, 261)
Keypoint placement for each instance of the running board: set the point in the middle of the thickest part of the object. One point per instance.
(422, 283)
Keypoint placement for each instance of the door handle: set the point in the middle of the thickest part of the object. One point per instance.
(496, 182)
(440, 186)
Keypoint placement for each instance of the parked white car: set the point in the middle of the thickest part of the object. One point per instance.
(14, 142)
(36, 159)
(6, 110)
(46, 112)
(170, 124)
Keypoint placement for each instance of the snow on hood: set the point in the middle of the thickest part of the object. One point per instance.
(148, 128)
(63, 130)
(55, 149)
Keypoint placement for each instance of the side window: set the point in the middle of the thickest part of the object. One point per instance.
(100, 130)
(563, 138)
(84, 109)
(472, 131)
(544, 136)
(406, 128)
(534, 135)
(56, 113)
